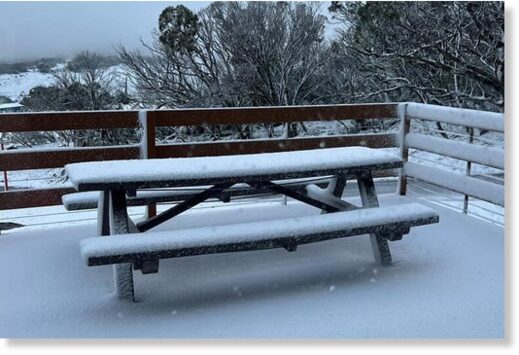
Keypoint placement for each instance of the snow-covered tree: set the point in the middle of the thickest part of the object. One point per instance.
(256, 53)
(236, 54)
(447, 53)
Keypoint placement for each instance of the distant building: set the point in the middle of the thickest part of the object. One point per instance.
(14, 107)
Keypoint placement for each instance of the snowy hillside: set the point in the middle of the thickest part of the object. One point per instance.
(16, 86)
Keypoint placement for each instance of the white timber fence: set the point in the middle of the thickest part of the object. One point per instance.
(470, 185)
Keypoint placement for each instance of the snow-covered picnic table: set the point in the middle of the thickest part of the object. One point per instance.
(208, 170)
(116, 180)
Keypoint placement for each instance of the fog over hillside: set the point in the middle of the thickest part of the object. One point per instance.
(45, 29)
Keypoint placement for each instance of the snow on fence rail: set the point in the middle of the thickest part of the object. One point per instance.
(27, 159)
(479, 154)
(469, 152)
(481, 189)
(463, 117)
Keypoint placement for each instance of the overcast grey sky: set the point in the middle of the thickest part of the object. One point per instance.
(44, 29)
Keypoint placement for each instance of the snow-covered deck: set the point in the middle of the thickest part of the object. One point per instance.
(447, 281)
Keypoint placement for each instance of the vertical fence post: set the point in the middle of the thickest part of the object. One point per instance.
(6, 184)
(467, 170)
(148, 150)
(405, 127)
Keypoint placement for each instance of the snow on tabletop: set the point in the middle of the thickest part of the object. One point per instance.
(255, 231)
(224, 166)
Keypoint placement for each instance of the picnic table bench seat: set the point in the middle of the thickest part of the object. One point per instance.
(391, 222)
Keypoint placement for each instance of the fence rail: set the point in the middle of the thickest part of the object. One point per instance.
(462, 117)
(469, 152)
(26, 159)
(273, 145)
(65, 121)
(149, 121)
(286, 114)
(32, 198)
(479, 154)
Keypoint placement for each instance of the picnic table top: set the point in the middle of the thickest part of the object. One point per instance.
(172, 172)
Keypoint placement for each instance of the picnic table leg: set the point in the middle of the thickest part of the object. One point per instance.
(368, 196)
(119, 224)
(336, 186)
(103, 215)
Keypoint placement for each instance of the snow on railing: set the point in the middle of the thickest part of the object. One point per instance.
(457, 116)
(482, 210)
(478, 188)
(480, 154)
(490, 190)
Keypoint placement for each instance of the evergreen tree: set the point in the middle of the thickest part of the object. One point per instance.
(178, 27)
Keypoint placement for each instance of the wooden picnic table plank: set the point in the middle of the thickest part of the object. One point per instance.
(254, 235)
(177, 172)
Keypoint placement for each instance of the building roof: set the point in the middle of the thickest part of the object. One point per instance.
(12, 105)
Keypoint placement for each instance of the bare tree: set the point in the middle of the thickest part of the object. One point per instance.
(237, 54)
(89, 80)
(276, 48)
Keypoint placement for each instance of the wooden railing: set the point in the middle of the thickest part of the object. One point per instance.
(25, 159)
(465, 184)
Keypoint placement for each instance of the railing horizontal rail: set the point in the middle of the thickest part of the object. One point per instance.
(463, 117)
(197, 149)
(479, 154)
(71, 120)
(32, 198)
(189, 117)
(150, 120)
(42, 159)
(467, 185)
(74, 120)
